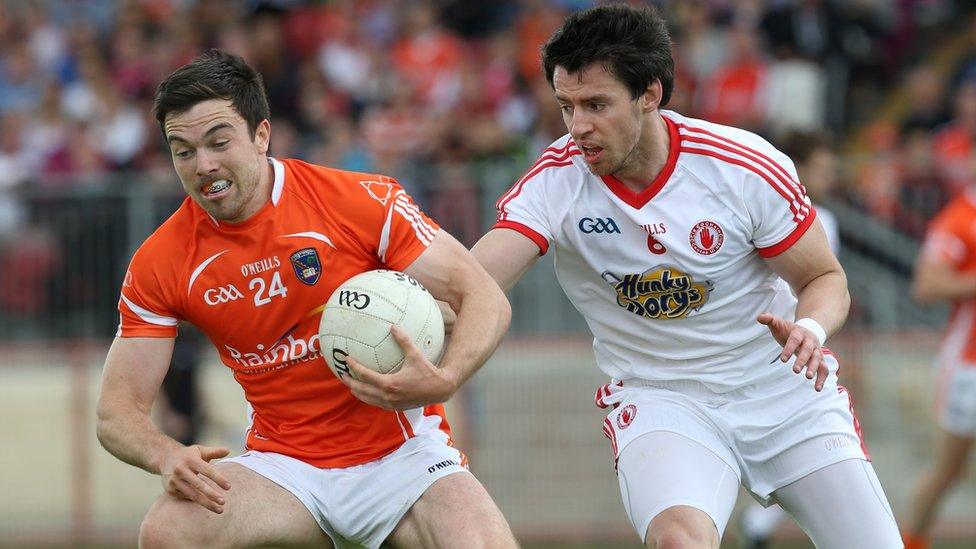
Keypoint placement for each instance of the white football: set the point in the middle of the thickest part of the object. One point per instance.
(357, 318)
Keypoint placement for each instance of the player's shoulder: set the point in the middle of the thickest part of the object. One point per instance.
(735, 147)
(960, 210)
(338, 185)
(172, 233)
(559, 161)
(721, 155)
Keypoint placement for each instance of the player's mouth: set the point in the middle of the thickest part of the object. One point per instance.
(591, 154)
(216, 189)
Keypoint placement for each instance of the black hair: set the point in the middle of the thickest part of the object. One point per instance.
(215, 74)
(633, 43)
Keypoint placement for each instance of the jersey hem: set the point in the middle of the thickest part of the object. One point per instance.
(526, 231)
(786, 243)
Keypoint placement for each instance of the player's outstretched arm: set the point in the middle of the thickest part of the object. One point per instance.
(452, 275)
(820, 284)
(506, 255)
(936, 279)
(134, 370)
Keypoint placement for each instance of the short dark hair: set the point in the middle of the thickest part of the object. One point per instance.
(215, 74)
(633, 43)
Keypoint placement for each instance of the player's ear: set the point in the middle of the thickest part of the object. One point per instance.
(651, 97)
(262, 136)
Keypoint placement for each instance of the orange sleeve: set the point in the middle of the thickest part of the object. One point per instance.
(410, 231)
(147, 307)
(949, 237)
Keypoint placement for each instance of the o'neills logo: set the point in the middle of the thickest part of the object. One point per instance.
(663, 292)
(626, 416)
(706, 237)
(284, 353)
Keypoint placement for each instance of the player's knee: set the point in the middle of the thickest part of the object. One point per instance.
(490, 535)
(168, 524)
(682, 528)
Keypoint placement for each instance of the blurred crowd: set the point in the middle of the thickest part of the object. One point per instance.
(426, 90)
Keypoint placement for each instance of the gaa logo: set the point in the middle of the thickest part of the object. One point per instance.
(216, 296)
(626, 416)
(589, 225)
(353, 299)
(706, 237)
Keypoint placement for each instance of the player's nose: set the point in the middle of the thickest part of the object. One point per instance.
(206, 163)
(580, 124)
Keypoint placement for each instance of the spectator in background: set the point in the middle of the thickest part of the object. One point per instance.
(736, 92)
(953, 143)
(946, 272)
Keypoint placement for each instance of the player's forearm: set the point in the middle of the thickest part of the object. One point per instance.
(946, 286)
(483, 317)
(131, 436)
(826, 300)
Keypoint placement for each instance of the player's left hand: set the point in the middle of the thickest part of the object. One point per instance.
(417, 383)
(797, 340)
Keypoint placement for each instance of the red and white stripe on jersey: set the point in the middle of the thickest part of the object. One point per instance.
(553, 157)
(695, 140)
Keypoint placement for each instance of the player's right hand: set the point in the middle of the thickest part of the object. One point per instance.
(188, 474)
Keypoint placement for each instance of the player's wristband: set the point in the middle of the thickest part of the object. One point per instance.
(815, 327)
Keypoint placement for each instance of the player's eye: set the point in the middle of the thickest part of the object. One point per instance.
(566, 108)
(597, 106)
(221, 144)
(182, 153)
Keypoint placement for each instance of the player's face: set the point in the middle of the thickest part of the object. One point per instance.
(602, 117)
(221, 167)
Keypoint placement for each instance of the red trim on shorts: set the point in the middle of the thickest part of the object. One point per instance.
(527, 231)
(612, 435)
(857, 424)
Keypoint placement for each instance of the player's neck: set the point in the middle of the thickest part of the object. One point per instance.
(648, 158)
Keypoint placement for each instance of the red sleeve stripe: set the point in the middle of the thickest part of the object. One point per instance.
(790, 185)
(800, 211)
(527, 231)
(502, 214)
(550, 156)
(786, 243)
(783, 173)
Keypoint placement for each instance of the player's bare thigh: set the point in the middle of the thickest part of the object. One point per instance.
(456, 511)
(258, 513)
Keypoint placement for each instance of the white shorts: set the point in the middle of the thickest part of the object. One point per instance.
(956, 399)
(359, 506)
(770, 433)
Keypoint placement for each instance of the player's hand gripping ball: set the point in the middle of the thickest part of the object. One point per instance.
(357, 318)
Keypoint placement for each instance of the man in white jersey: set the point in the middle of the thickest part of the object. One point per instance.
(679, 241)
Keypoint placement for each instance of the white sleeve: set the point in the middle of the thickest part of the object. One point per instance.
(525, 207)
(777, 204)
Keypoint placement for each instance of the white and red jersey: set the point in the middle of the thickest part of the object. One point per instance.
(256, 290)
(670, 280)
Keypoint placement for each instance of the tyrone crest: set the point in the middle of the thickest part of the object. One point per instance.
(626, 416)
(706, 237)
(380, 191)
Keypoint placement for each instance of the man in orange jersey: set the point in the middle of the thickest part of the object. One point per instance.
(256, 247)
(946, 271)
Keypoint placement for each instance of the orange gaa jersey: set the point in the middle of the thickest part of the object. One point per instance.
(256, 288)
(952, 236)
